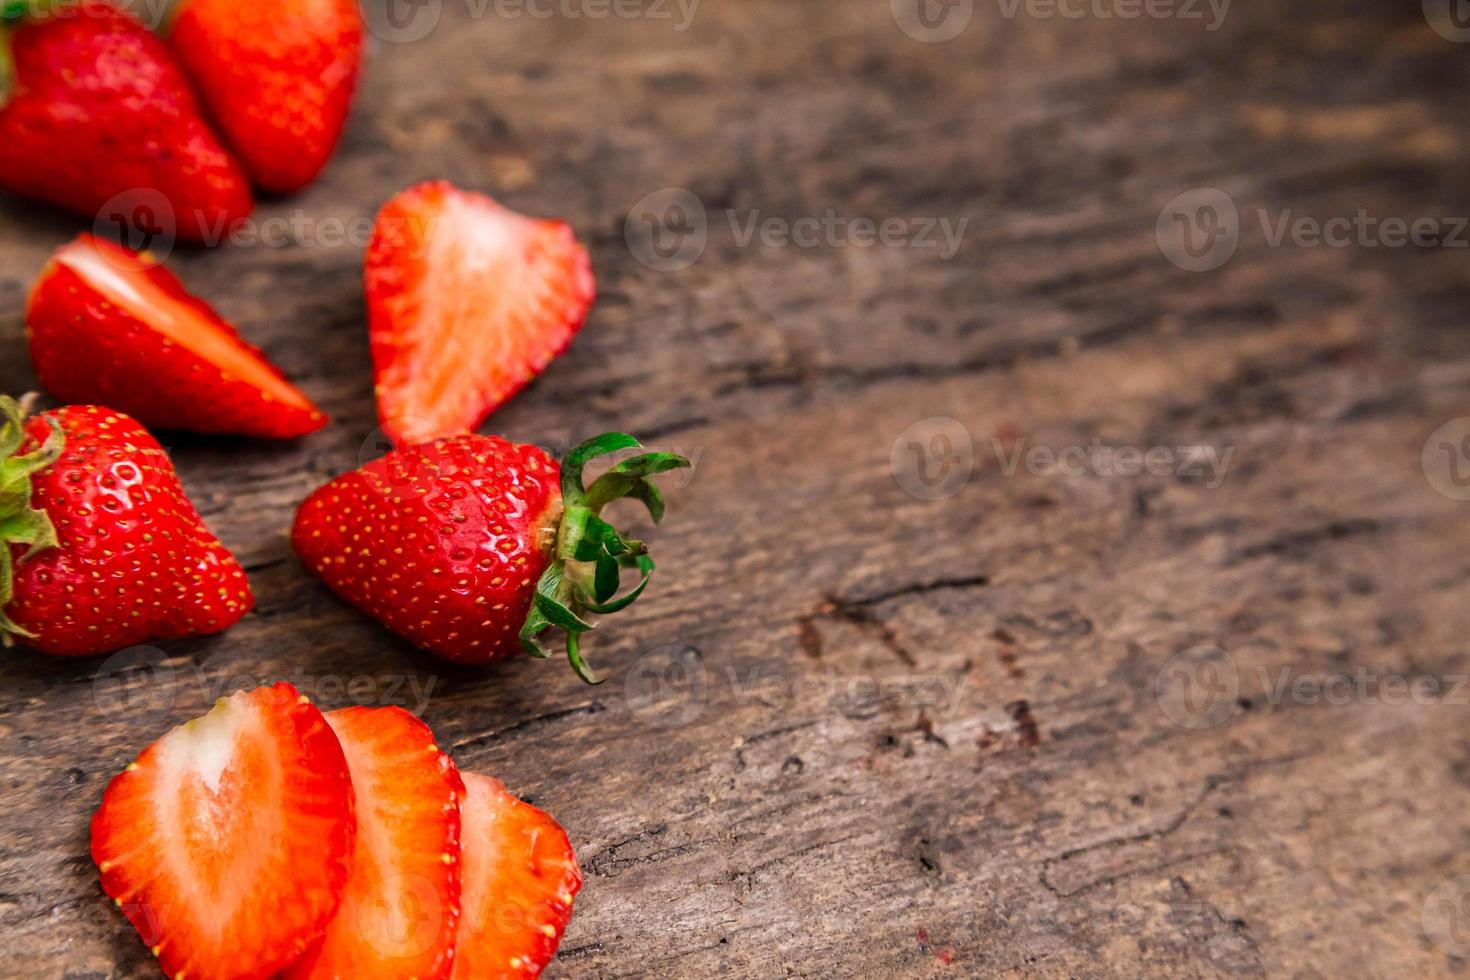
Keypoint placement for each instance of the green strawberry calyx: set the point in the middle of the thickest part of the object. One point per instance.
(589, 554)
(21, 523)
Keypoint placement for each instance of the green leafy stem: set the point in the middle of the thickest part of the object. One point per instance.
(21, 523)
(590, 554)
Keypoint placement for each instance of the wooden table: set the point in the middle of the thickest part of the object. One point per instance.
(894, 707)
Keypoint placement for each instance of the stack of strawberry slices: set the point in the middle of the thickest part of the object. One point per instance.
(267, 838)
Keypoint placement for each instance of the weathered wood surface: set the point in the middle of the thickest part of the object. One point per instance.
(1014, 799)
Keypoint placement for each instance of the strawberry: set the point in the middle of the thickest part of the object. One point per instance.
(520, 876)
(227, 842)
(278, 77)
(466, 544)
(97, 108)
(99, 547)
(400, 909)
(467, 302)
(110, 326)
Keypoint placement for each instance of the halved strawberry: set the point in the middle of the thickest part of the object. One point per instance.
(467, 302)
(520, 876)
(109, 326)
(227, 842)
(400, 909)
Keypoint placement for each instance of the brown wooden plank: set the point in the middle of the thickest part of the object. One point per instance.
(899, 736)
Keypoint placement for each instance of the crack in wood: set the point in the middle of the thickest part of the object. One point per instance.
(483, 738)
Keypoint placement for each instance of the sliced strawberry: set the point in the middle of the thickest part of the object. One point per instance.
(108, 326)
(467, 302)
(227, 842)
(401, 906)
(520, 876)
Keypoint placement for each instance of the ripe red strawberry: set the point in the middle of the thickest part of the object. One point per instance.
(106, 550)
(467, 302)
(400, 909)
(278, 77)
(227, 842)
(97, 108)
(520, 876)
(111, 327)
(463, 544)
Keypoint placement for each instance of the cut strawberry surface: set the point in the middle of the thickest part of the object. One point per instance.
(520, 877)
(400, 908)
(107, 325)
(467, 302)
(227, 842)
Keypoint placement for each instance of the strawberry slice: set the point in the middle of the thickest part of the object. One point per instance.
(109, 326)
(227, 842)
(401, 904)
(467, 302)
(520, 876)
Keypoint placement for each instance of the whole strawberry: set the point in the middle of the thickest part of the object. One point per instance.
(472, 546)
(278, 76)
(96, 108)
(99, 547)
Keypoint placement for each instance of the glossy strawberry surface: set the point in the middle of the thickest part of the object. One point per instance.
(442, 543)
(98, 109)
(134, 560)
(108, 326)
(278, 77)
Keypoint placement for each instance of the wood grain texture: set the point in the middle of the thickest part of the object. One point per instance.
(851, 731)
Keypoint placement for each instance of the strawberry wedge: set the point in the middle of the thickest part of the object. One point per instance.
(520, 876)
(226, 844)
(111, 327)
(400, 908)
(467, 302)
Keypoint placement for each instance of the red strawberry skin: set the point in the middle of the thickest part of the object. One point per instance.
(227, 843)
(134, 561)
(442, 543)
(278, 77)
(99, 108)
(520, 876)
(467, 303)
(109, 327)
(400, 909)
